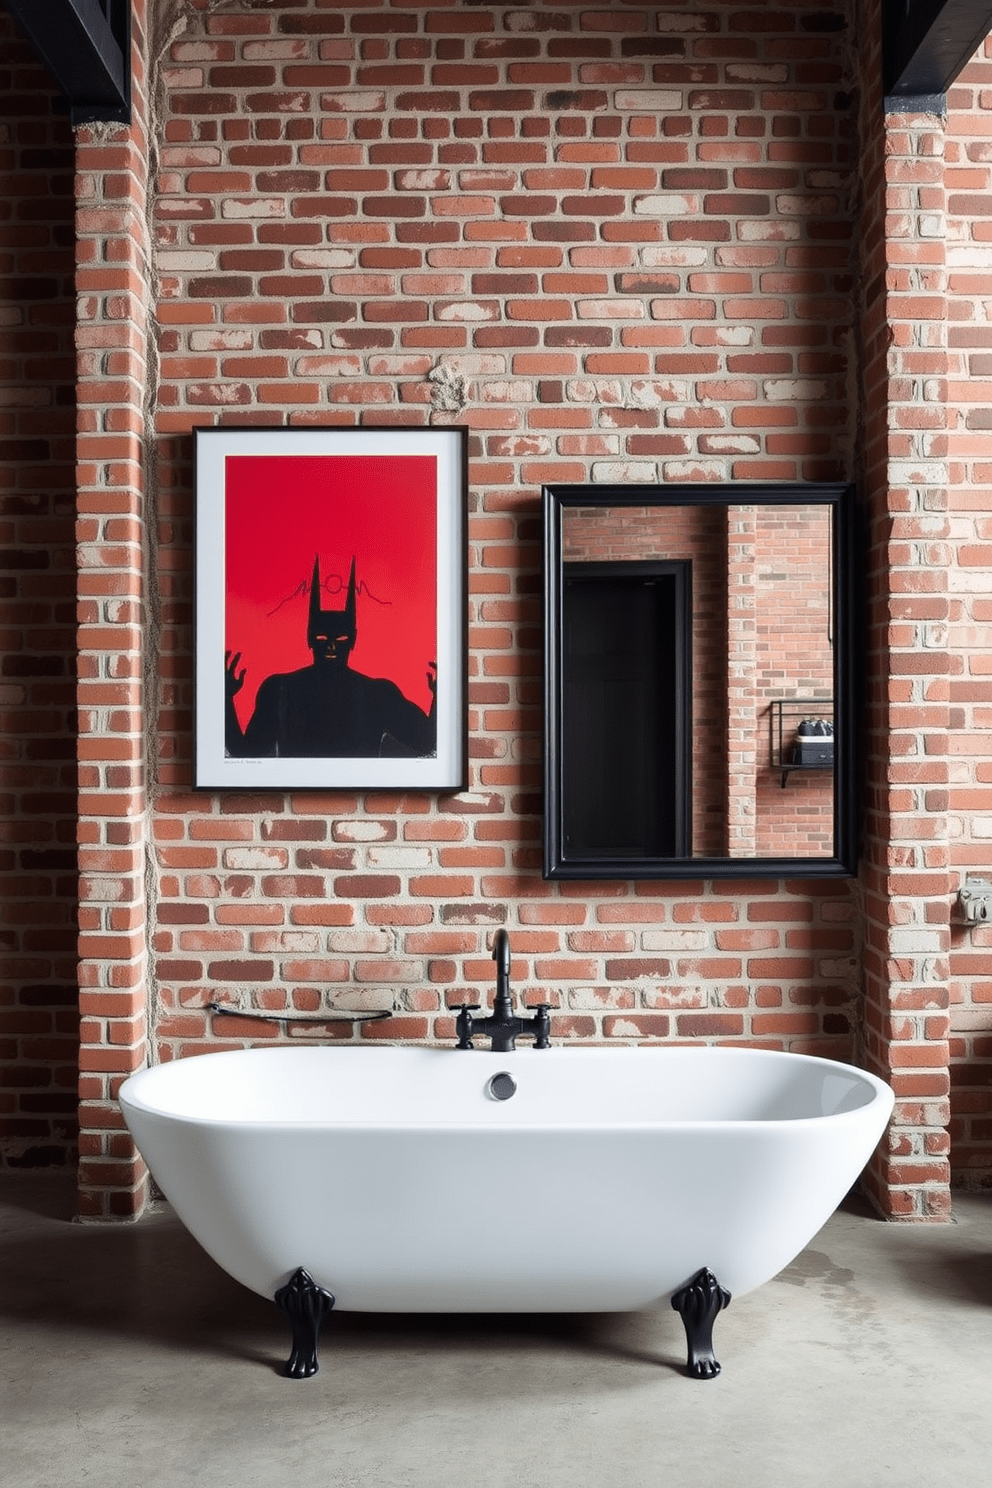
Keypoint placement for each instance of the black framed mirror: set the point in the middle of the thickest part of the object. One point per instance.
(699, 681)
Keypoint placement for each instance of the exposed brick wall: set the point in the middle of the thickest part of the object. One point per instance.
(630, 232)
(969, 632)
(38, 1018)
(905, 874)
(617, 245)
(114, 643)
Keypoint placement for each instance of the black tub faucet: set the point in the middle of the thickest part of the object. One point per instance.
(503, 1026)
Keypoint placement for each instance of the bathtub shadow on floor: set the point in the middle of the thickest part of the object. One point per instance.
(149, 1285)
(152, 1282)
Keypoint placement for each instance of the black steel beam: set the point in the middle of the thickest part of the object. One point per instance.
(926, 43)
(85, 44)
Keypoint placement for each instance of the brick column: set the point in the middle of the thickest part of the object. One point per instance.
(113, 299)
(906, 877)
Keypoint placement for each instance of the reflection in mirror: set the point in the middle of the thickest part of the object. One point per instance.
(698, 681)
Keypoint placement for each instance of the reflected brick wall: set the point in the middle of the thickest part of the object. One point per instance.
(698, 536)
(793, 658)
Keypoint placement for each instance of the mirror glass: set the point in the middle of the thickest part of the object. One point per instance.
(699, 708)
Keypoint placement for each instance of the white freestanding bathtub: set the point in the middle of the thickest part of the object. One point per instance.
(607, 1180)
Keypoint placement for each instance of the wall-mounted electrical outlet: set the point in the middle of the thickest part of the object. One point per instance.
(975, 901)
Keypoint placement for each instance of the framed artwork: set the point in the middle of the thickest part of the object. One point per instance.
(330, 608)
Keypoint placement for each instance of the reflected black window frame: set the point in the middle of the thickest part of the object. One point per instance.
(840, 498)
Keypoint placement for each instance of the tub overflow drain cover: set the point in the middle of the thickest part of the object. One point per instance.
(502, 1086)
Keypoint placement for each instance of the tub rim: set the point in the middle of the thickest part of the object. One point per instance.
(879, 1093)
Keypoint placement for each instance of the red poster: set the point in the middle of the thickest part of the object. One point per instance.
(283, 512)
(330, 607)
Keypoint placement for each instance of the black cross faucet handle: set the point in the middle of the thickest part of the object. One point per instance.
(463, 1024)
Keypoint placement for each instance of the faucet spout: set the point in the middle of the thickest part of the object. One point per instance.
(501, 955)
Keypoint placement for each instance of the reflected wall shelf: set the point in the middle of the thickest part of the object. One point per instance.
(786, 716)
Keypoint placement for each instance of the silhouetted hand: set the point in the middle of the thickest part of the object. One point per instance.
(233, 679)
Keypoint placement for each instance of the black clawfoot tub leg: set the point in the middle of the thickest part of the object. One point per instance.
(698, 1303)
(306, 1305)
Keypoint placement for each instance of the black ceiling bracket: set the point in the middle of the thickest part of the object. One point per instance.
(86, 46)
(916, 103)
(925, 45)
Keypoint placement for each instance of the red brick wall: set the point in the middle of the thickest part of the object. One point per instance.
(38, 1017)
(969, 631)
(116, 639)
(616, 244)
(629, 231)
(905, 872)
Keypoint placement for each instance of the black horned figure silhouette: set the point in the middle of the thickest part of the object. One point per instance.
(328, 708)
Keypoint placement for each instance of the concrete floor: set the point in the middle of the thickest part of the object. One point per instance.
(129, 1360)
